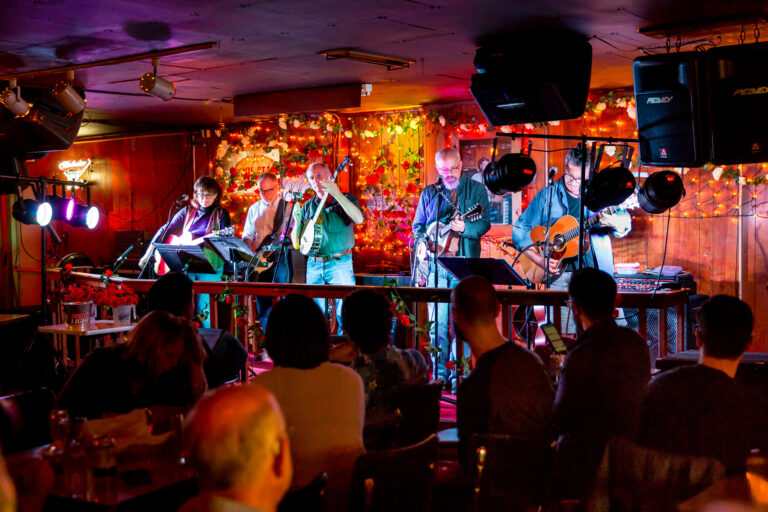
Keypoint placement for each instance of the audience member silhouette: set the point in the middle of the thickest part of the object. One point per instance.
(162, 364)
(700, 409)
(172, 292)
(602, 382)
(509, 392)
(236, 440)
(367, 319)
(323, 402)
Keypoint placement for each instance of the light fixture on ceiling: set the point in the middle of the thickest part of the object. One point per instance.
(13, 101)
(65, 94)
(369, 58)
(158, 87)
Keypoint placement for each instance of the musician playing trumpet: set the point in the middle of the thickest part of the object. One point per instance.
(565, 201)
(458, 195)
(332, 263)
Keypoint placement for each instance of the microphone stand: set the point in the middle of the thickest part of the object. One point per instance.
(151, 261)
(282, 238)
(438, 187)
(120, 260)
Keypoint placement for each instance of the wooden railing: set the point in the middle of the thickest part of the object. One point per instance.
(417, 298)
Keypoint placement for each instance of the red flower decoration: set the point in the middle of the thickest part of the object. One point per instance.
(405, 320)
(229, 299)
(386, 193)
(196, 324)
(450, 365)
(247, 184)
(68, 267)
(372, 179)
(411, 188)
(406, 165)
(233, 171)
(108, 273)
(379, 170)
(241, 321)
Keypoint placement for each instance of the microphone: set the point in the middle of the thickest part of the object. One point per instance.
(184, 197)
(439, 184)
(552, 172)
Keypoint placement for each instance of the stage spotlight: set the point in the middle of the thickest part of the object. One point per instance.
(65, 94)
(30, 211)
(609, 187)
(156, 86)
(660, 191)
(511, 173)
(12, 100)
(84, 216)
(62, 207)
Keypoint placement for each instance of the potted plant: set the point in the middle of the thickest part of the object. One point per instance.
(120, 300)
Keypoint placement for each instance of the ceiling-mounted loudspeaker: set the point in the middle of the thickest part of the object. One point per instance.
(47, 127)
(670, 93)
(737, 78)
(533, 75)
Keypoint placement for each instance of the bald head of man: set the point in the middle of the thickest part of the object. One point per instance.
(236, 438)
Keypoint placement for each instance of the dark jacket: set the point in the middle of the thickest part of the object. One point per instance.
(469, 193)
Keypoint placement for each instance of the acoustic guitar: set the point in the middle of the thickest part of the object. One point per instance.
(186, 239)
(564, 240)
(312, 235)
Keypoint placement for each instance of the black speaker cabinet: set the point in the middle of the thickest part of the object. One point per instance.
(532, 76)
(671, 120)
(47, 127)
(738, 103)
(226, 356)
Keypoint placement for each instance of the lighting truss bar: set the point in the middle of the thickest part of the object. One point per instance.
(580, 138)
(369, 58)
(113, 61)
(708, 26)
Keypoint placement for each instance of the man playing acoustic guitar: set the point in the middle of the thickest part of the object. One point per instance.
(565, 201)
(460, 196)
(333, 262)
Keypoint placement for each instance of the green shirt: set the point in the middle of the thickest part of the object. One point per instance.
(338, 228)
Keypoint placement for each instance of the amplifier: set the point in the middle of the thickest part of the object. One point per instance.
(647, 282)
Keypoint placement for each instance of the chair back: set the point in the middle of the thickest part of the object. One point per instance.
(634, 478)
(24, 420)
(307, 499)
(398, 479)
(510, 474)
(420, 408)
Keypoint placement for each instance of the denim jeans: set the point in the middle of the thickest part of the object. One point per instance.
(203, 302)
(440, 335)
(336, 271)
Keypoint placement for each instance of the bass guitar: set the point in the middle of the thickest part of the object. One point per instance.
(563, 242)
(312, 235)
(186, 239)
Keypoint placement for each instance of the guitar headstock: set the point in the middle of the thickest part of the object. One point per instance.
(474, 213)
(630, 203)
(230, 231)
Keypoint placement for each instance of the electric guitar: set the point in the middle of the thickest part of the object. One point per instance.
(564, 241)
(186, 239)
(312, 235)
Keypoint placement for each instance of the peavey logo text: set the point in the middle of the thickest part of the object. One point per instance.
(751, 91)
(654, 100)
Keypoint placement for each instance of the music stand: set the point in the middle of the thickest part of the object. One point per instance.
(497, 271)
(185, 258)
(231, 249)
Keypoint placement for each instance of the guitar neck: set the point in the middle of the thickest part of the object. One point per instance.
(323, 199)
(588, 224)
